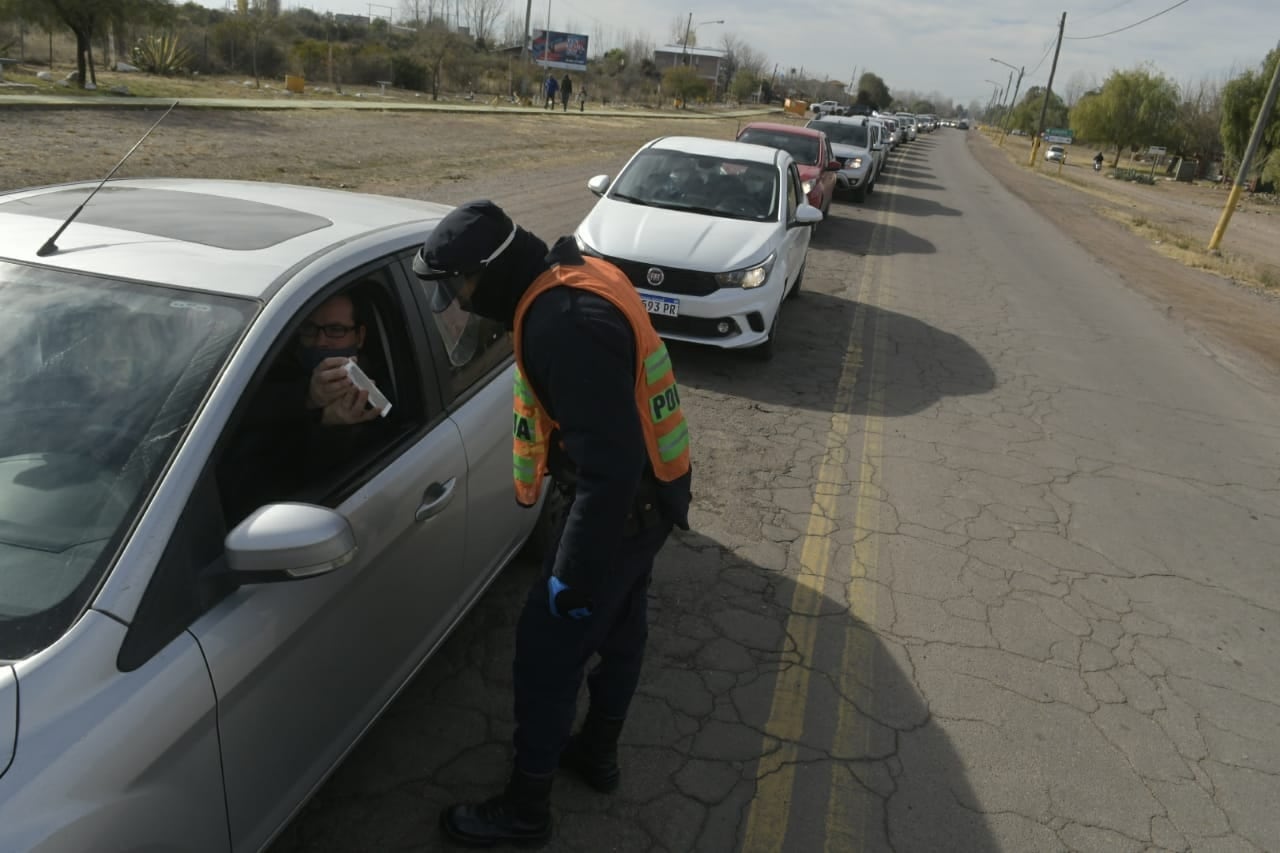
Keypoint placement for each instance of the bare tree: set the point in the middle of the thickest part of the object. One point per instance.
(482, 18)
(414, 13)
(1077, 86)
(680, 30)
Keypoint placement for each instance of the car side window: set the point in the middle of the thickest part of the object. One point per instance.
(302, 433)
(794, 192)
(277, 446)
(468, 347)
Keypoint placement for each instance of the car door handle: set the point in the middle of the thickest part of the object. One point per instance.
(436, 499)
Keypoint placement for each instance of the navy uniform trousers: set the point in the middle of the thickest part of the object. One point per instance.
(552, 652)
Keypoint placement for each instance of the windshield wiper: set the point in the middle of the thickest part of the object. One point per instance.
(631, 198)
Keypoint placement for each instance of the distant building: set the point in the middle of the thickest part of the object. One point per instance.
(707, 62)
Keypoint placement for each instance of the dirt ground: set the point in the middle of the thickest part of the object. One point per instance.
(1237, 322)
(415, 155)
(1177, 213)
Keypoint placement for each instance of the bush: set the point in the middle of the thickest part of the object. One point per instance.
(411, 73)
(163, 54)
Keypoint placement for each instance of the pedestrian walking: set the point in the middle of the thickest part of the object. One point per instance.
(582, 97)
(550, 87)
(566, 89)
(597, 408)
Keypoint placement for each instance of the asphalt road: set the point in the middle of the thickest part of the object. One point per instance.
(985, 559)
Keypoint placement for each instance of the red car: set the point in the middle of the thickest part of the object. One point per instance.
(811, 151)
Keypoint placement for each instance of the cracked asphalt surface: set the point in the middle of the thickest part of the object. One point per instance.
(984, 559)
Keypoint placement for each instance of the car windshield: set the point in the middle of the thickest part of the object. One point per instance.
(842, 134)
(98, 381)
(718, 186)
(802, 148)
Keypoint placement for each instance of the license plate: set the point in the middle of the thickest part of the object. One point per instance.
(665, 306)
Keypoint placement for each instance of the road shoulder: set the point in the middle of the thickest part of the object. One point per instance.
(1235, 323)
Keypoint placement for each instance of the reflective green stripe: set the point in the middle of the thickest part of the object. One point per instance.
(671, 446)
(522, 390)
(657, 365)
(523, 469)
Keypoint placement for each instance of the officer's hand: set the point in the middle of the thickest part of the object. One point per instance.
(348, 409)
(566, 602)
(329, 382)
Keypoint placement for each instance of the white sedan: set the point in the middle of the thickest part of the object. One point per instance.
(713, 234)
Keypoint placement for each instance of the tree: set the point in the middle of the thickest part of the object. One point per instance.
(482, 18)
(1241, 102)
(923, 108)
(1077, 86)
(436, 44)
(414, 13)
(680, 31)
(1200, 119)
(1026, 115)
(1135, 107)
(684, 83)
(744, 85)
(877, 92)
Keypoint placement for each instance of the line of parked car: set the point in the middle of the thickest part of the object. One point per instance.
(198, 616)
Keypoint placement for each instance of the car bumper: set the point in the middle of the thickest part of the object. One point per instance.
(747, 313)
(851, 179)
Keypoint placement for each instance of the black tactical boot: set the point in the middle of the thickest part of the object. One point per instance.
(520, 815)
(593, 753)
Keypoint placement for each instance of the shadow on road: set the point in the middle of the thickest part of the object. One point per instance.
(694, 742)
(910, 205)
(923, 364)
(898, 180)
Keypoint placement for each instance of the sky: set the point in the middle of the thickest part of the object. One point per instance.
(929, 45)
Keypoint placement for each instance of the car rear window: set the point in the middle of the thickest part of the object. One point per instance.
(99, 380)
(802, 148)
(843, 134)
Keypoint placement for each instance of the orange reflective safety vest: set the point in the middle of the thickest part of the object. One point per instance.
(666, 434)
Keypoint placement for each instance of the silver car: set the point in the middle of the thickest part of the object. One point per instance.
(850, 144)
(206, 595)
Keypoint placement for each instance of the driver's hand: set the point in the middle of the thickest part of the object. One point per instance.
(329, 382)
(348, 409)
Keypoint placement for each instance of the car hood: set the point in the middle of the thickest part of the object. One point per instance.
(808, 172)
(8, 716)
(693, 241)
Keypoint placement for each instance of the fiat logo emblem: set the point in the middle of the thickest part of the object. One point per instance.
(655, 276)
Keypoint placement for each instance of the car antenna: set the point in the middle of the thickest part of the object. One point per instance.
(51, 245)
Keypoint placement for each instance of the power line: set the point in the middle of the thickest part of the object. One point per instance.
(1131, 26)
(1047, 51)
(1106, 11)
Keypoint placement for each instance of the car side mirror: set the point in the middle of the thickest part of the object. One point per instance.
(833, 166)
(287, 542)
(806, 214)
(599, 184)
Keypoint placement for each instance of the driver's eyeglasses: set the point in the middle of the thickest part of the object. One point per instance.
(332, 331)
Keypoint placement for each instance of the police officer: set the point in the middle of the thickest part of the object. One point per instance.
(595, 406)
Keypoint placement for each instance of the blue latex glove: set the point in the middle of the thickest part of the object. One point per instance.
(565, 601)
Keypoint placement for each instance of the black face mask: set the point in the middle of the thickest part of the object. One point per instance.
(312, 356)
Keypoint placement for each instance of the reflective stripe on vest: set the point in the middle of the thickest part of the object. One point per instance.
(657, 395)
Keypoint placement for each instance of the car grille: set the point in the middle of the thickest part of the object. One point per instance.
(694, 327)
(686, 282)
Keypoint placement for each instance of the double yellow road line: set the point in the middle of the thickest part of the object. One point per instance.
(770, 813)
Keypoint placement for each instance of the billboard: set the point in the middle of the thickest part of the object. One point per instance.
(561, 50)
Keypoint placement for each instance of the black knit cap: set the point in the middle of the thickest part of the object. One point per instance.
(469, 237)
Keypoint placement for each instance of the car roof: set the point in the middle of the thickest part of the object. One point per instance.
(785, 128)
(718, 148)
(231, 237)
(859, 121)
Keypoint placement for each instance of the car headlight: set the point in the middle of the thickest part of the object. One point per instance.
(585, 248)
(748, 278)
(853, 163)
(807, 186)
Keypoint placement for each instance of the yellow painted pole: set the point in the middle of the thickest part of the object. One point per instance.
(1263, 115)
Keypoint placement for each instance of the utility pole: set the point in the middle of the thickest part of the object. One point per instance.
(1048, 93)
(1008, 122)
(524, 46)
(684, 48)
(1268, 103)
